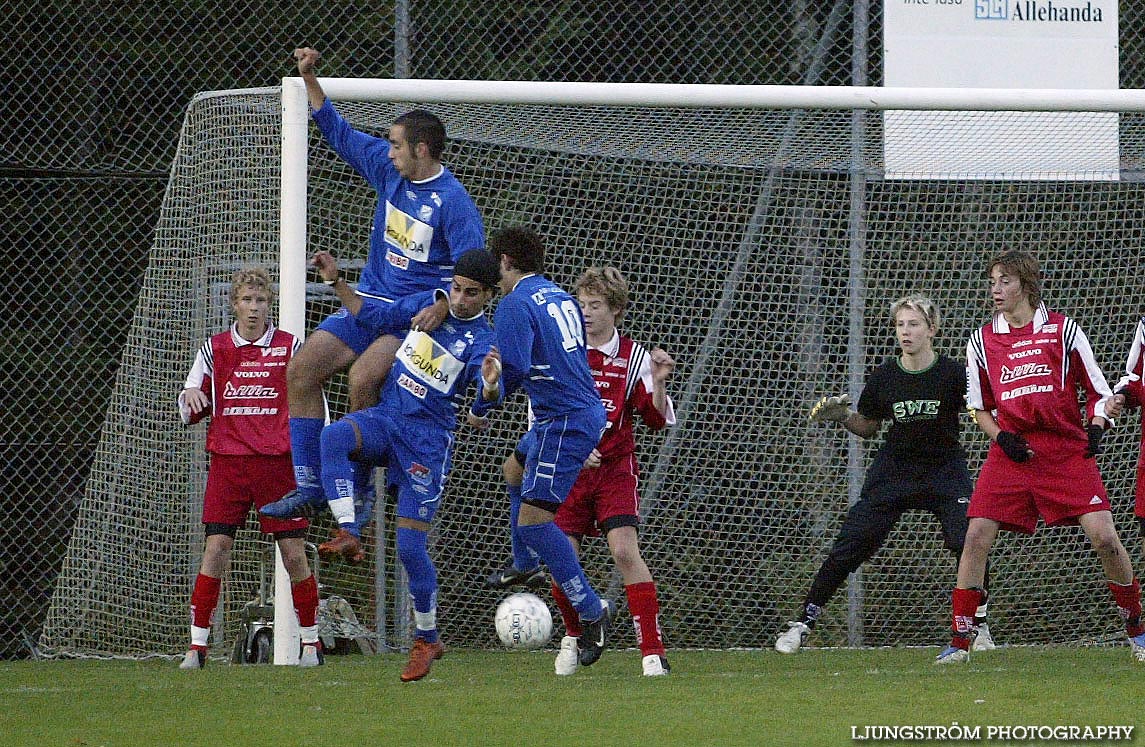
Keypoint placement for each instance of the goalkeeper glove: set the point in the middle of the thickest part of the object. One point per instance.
(831, 408)
(1014, 445)
(1095, 432)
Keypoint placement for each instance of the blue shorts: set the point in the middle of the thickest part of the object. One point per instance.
(521, 450)
(556, 450)
(419, 457)
(349, 329)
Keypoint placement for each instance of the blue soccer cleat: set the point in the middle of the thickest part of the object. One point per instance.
(293, 505)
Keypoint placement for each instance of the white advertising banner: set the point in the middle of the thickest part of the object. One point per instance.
(1000, 44)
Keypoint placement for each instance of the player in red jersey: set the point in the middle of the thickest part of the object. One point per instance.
(1130, 394)
(1025, 372)
(239, 381)
(631, 381)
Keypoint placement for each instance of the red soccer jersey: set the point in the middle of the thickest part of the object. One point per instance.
(246, 383)
(623, 375)
(1131, 383)
(1032, 376)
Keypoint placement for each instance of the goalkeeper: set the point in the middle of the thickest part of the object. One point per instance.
(921, 464)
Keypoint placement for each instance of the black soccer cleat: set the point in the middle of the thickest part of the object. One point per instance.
(595, 636)
(510, 576)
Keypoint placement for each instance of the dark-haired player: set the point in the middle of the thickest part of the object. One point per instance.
(423, 222)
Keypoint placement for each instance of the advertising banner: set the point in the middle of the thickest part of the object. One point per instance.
(1059, 44)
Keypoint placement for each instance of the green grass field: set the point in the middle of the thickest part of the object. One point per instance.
(496, 698)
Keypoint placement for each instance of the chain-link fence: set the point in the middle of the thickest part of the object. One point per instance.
(95, 95)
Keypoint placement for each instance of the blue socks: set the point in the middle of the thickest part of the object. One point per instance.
(305, 436)
(524, 559)
(338, 440)
(551, 544)
(413, 552)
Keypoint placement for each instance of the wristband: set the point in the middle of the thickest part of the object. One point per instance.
(331, 283)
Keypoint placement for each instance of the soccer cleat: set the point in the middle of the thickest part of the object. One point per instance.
(293, 505)
(510, 576)
(311, 655)
(792, 640)
(194, 659)
(345, 544)
(983, 641)
(952, 655)
(655, 665)
(595, 636)
(421, 656)
(1138, 644)
(568, 658)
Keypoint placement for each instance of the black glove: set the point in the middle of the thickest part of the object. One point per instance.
(1095, 432)
(1015, 446)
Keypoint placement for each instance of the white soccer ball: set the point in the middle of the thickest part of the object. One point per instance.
(523, 622)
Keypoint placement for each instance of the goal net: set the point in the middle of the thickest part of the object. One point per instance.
(763, 246)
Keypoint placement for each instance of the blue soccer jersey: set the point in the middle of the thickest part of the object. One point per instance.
(540, 333)
(432, 371)
(420, 229)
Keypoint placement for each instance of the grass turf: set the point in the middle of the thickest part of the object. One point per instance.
(500, 698)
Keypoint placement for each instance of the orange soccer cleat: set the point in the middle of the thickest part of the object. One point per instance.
(342, 543)
(421, 656)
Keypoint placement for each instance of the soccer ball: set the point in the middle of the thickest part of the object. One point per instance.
(523, 622)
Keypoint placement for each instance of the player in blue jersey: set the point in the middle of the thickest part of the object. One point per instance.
(541, 345)
(423, 222)
(411, 427)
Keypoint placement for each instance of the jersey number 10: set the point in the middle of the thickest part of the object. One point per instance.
(567, 316)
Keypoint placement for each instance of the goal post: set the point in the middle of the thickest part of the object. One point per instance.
(763, 240)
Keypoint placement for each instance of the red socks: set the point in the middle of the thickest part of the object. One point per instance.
(204, 599)
(965, 603)
(1128, 600)
(645, 609)
(305, 595)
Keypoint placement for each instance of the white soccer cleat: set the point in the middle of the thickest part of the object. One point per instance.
(1138, 644)
(953, 655)
(983, 641)
(655, 665)
(791, 641)
(194, 659)
(568, 658)
(311, 655)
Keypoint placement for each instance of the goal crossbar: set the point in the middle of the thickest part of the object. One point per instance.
(559, 93)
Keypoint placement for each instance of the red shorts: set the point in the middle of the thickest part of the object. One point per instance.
(234, 483)
(1059, 484)
(602, 498)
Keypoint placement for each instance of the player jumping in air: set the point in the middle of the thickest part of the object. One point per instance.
(411, 429)
(423, 222)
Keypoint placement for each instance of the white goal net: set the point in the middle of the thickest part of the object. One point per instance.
(763, 246)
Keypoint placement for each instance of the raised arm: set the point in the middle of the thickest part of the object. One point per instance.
(307, 62)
